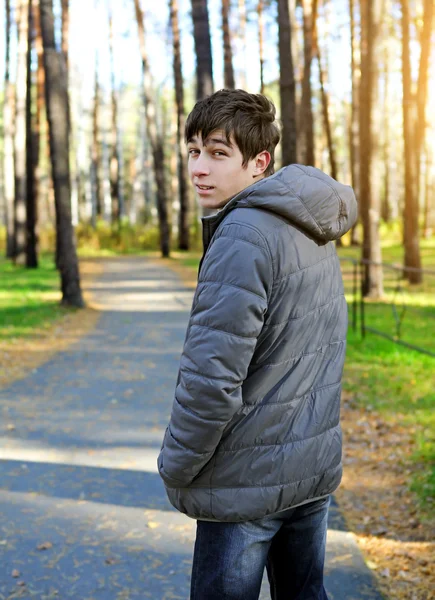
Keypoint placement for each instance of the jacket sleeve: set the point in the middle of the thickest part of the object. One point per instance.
(226, 319)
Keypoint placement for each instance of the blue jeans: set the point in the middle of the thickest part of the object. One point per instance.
(229, 558)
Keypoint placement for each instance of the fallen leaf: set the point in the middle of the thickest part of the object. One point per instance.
(45, 546)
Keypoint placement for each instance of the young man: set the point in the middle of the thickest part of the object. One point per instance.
(253, 447)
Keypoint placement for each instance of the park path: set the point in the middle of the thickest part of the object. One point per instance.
(83, 512)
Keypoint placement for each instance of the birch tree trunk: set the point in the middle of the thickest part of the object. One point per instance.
(183, 222)
(114, 156)
(56, 97)
(96, 146)
(8, 132)
(243, 43)
(20, 135)
(260, 12)
(228, 53)
(287, 86)
(155, 137)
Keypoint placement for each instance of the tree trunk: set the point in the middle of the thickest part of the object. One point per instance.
(260, 9)
(385, 206)
(324, 95)
(8, 143)
(428, 193)
(155, 137)
(40, 101)
(183, 223)
(20, 136)
(65, 34)
(243, 42)
(307, 124)
(354, 115)
(204, 58)
(410, 215)
(31, 156)
(371, 251)
(114, 157)
(287, 86)
(96, 147)
(422, 84)
(228, 53)
(56, 95)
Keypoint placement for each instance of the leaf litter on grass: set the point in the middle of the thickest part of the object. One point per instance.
(396, 538)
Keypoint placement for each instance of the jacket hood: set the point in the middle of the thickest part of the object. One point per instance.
(306, 197)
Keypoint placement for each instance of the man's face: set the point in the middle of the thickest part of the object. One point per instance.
(215, 169)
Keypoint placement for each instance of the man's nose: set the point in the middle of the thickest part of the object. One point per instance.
(200, 166)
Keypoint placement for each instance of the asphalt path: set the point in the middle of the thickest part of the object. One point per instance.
(83, 512)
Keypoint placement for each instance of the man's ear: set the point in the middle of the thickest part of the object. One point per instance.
(262, 161)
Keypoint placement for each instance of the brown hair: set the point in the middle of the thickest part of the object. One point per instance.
(249, 118)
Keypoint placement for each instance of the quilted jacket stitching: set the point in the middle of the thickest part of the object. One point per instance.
(242, 337)
(239, 287)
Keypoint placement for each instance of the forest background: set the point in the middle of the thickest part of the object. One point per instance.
(92, 163)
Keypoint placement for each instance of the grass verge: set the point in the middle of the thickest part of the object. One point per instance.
(33, 324)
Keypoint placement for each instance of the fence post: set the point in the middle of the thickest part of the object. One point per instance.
(363, 323)
(355, 292)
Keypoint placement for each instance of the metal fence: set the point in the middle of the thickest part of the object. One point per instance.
(396, 309)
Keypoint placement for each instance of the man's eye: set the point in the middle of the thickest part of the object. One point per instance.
(220, 153)
(192, 151)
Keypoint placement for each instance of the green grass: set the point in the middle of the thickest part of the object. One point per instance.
(29, 298)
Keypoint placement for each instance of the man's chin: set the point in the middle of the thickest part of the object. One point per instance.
(212, 203)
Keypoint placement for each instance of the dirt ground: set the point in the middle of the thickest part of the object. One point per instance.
(397, 543)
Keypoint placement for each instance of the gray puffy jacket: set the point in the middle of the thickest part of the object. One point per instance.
(255, 427)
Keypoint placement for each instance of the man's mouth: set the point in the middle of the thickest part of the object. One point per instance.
(204, 187)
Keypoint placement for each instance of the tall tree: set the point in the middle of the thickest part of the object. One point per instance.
(115, 187)
(260, 12)
(65, 33)
(204, 60)
(228, 53)
(97, 188)
(31, 155)
(410, 215)
(183, 223)
(354, 114)
(287, 86)
(414, 128)
(422, 83)
(307, 124)
(56, 97)
(8, 139)
(40, 101)
(369, 202)
(324, 95)
(155, 137)
(243, 42)
(20, 135)
(385, 203)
